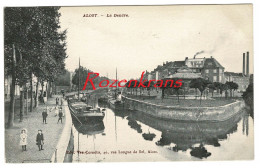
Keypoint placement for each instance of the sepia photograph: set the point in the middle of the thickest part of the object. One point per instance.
(143, 83)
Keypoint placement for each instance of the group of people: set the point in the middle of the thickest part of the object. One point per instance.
(58, 111)
(58, 101)
(39, 139)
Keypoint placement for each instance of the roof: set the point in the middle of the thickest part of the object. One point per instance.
(212, 63)
(183, 75)
(233, 74)
(195, 62)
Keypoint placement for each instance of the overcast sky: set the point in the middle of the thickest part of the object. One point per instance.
(153, 35)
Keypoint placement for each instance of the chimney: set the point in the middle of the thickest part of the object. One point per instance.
(247, 63)
(244, 57)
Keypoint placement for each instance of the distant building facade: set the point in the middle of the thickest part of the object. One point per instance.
(209, 68)
(239, 78)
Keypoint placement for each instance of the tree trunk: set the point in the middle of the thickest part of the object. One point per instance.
(31, 103)
(50, 88)
(36, 94)
(21, 104)
(178, 96)
(12, 92)
(201, 97)
(162, 93)
(184, 92)
(26, 112)
(46, 90)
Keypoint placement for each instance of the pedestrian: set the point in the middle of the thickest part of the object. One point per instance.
(61, 101)
(44, 115)
(60, 115)
(23, 139)
(56, 111)
(57, 101)
(40, 140)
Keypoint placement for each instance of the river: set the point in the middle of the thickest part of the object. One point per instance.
(133, 136)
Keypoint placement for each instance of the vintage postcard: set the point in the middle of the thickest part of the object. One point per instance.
(128, 83)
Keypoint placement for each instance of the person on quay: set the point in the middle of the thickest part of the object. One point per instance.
(40, 140)
(23, 139)
(57, 101)
(61, 101)
(60, 115)
(56, 111)
(44, 115)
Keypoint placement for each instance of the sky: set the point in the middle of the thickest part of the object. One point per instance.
(152, 35)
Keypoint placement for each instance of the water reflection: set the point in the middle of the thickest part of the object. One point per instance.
(184, 135)
(174, 140)
(91, 128)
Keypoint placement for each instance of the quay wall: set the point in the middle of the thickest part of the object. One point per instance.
(220, 113)
(61, 148)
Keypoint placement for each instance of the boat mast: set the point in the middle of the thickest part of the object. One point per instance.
(116, 83)
(79, 79)
(107, 79)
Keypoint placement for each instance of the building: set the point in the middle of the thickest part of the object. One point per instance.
(239, 78)
(242, 79)
(213, 70)
(209, 68)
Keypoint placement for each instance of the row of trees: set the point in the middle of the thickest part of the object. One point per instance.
(80, 76)
(33, 45)
(198, 84)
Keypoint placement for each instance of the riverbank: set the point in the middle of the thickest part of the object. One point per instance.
(33, 122)
(185, 113)
(212, 102)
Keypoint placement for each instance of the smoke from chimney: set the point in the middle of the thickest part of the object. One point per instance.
(198, 54)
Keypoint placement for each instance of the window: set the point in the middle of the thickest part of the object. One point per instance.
(215, 71)
(206, 71)
(220, 78)
(220, 70)
(214, 78)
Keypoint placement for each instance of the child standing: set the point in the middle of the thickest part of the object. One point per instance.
(23, 139)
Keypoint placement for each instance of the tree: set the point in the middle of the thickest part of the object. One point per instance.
(33, 34)
(212, 88)
(222, 87)
(232, 87)
(80, 75)
(200, 84)
(63, 79)
(248, 96)
(148, 87)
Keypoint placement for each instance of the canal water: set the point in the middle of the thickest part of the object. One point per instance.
(133, 136)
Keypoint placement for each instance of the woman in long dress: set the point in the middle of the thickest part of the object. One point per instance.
(23, 139)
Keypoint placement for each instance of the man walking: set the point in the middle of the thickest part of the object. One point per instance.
(39, 140)
(44, 115)
(60, 115)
